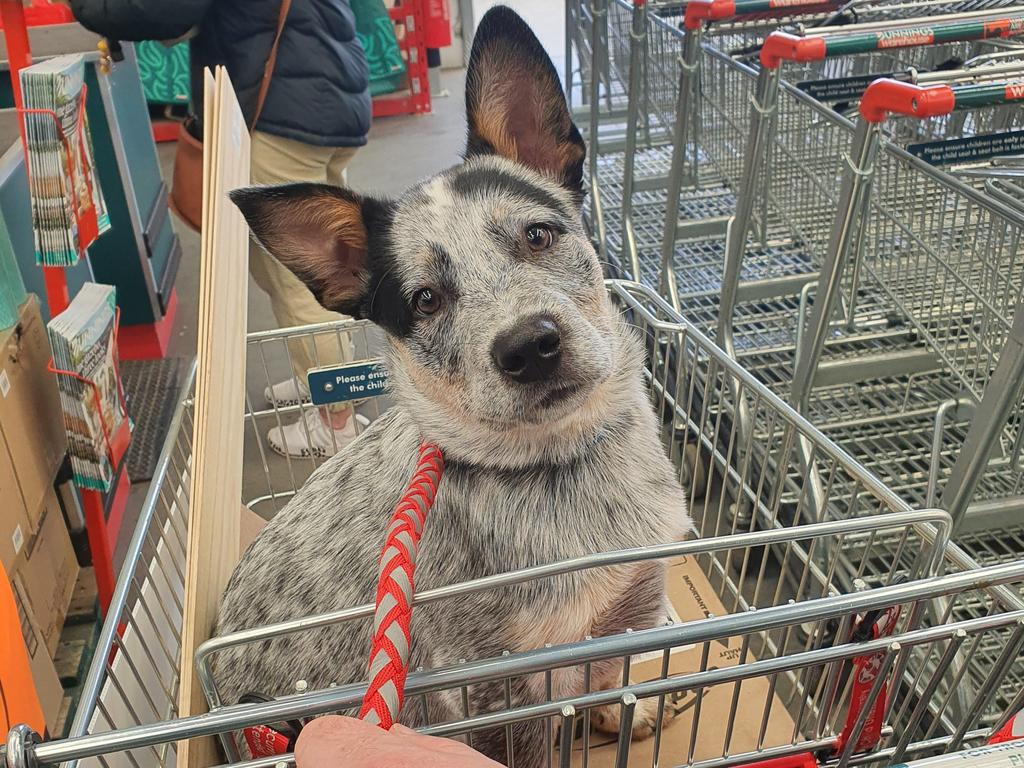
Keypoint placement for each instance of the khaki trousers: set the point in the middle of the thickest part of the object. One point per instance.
(276, 160)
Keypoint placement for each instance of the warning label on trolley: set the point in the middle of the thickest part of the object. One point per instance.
(904, 38)
(969, 148)
(340, 383)
(841, 88)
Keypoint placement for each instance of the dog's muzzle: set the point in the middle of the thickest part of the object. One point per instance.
(530, 351)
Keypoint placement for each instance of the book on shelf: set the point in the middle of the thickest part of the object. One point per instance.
(68, 209)
(83, 342)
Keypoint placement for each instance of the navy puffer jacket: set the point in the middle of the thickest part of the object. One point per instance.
(319, 93)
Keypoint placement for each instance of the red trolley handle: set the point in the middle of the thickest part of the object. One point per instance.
(701, 11)
(116, 446)
(784, 46)
(887, 97)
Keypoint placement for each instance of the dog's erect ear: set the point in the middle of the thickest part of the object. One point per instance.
(514, 101)
(318, 232)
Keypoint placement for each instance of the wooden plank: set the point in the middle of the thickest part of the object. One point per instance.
(216, 481)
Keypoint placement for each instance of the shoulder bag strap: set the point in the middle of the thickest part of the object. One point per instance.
(268, 70)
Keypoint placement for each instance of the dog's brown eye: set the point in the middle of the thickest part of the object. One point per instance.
(538, 237)
(427, 301)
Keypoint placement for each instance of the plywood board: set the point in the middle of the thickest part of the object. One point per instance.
(216, 481)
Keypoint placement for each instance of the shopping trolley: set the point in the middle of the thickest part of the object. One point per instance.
(630, 148)
(947, 258)
(953, 270)
(802, 606)
(785, 169)
(760, 318)
(712, 135)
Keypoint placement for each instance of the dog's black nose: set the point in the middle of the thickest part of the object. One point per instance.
(529, 351)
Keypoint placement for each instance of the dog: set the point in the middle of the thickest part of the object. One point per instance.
(505, 351)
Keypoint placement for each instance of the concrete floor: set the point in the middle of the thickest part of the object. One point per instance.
(400, 151)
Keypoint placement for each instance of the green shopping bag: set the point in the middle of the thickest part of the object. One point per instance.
(376, 32)
(164, 72)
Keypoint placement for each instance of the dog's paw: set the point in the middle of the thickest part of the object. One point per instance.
(645, 717)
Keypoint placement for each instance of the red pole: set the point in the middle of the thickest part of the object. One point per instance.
(102, 559)
(19, 55)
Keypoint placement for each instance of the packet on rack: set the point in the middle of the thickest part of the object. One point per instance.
(82, 338)
(68, 209)
(692, 597)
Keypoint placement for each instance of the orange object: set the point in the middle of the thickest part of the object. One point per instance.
(19, 702)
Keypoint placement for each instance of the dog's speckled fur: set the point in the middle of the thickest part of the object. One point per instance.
(527, 480)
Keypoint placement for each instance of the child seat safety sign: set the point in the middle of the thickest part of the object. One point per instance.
(353, 381)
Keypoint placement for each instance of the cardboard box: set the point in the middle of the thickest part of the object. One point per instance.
(692, 597)
(31, 421)
(16, 527)
(46, 572)
(249, 527)
(44, 674)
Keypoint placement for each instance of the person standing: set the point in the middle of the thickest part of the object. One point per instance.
(315, 115)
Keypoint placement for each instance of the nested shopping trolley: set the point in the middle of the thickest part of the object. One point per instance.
(861, 636)
(947, 256)
(682, 135)
(885, 379)
(780, 155)
(628, 54)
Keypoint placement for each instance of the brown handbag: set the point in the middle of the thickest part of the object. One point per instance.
(186, 198)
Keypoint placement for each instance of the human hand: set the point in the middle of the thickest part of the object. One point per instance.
(333, 742)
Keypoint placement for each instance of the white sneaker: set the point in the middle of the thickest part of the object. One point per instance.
(310, 436)
(291, 391)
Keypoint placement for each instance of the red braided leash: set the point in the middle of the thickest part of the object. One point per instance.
(389, 652)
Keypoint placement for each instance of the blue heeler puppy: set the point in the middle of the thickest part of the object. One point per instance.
(504, 349)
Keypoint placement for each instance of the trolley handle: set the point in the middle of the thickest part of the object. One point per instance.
(700, 11)
(784, 46)
(887, 97)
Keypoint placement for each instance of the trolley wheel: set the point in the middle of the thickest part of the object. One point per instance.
(693, 472)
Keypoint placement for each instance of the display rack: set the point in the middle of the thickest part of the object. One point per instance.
(86, 221)
(103, 512)
(19, 56)
(410, 17)
(40, 12)
(93, 501)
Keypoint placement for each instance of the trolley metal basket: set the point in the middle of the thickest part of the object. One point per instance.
(701, 168)
(885, 359)
(785, 167)
(792, 595)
